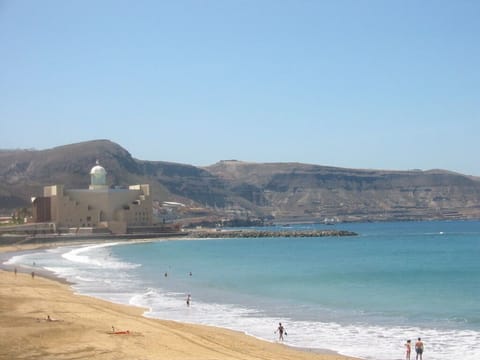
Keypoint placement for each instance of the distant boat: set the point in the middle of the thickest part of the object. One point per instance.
(328, 221)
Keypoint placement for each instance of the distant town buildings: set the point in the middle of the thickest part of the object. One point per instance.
(98, 207)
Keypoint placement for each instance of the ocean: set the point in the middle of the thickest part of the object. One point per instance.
(361, 296)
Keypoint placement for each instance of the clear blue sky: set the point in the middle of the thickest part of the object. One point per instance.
(360, 84)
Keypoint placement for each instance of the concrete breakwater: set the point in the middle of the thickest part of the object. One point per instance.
(267, 234)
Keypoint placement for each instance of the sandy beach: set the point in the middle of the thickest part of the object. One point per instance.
(81, 328)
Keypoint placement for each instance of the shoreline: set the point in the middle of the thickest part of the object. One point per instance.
(102, 307)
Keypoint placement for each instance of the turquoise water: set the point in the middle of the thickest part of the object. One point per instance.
(361, 296)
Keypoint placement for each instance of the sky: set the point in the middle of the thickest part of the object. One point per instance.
(371, 84)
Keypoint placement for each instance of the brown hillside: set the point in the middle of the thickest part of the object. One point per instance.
(286, 191)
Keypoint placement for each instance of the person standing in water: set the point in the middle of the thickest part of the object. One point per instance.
(419, 349)
(408, 348)
(189, 298)
(281, 331)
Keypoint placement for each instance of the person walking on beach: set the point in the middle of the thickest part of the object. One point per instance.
(281, 331)
(408, 347)
(15, 271)
(33, 274)
(419, 349)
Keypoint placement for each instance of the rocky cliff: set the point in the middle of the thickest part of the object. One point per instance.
(283, 191)
(300, 191)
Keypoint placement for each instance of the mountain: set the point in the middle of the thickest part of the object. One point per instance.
(301, 191)
(281, 191)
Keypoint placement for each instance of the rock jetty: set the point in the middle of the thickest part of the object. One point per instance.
(268, 234)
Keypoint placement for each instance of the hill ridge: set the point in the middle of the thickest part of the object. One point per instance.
(290, 191)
